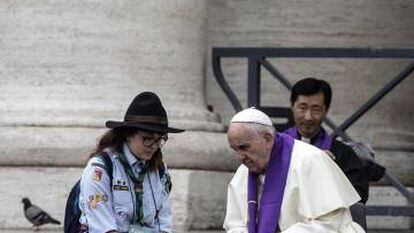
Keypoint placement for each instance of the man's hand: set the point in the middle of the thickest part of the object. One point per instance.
(330, 154)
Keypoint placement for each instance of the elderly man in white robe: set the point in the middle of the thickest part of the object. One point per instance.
(284, 185)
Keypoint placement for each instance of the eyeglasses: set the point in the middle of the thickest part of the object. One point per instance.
(149, 141)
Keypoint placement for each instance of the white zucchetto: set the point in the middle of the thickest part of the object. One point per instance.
(251, 115)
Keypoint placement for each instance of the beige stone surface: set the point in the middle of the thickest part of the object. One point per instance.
(50, 146)
(399, 164)
(199, 199)
(386, 195)
(46, 187)
(76, 63)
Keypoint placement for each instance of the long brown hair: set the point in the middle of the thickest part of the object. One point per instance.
(115, 139)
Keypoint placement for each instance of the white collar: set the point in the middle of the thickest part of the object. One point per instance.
(129, 156)
(307, 140)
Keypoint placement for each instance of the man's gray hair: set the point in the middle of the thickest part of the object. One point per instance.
(260, 128)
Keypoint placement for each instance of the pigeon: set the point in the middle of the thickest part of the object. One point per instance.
(36, 215)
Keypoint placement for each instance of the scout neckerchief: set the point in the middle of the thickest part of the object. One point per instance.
(138, 186)
(323, 140)
(273, 188)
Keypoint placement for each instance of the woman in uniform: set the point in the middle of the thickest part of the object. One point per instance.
(136, 199)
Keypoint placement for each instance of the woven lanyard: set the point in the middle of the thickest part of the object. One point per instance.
(138, 187)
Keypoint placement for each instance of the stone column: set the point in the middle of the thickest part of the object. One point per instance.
(68, 66)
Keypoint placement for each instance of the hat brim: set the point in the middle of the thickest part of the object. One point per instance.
(145, 126)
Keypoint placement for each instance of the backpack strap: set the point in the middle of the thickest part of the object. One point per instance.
(161, 171)
(167, 180)
(108, 165)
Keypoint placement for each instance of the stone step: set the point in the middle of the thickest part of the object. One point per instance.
(69, 147)
(388, 195)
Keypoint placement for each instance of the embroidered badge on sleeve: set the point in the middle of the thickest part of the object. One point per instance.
(95, 199)
(97, 174)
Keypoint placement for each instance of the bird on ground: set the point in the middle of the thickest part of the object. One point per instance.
(36, 215)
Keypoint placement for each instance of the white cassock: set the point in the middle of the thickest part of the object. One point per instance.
(317, 196)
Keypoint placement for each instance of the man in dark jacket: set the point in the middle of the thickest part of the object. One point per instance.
(310, 100)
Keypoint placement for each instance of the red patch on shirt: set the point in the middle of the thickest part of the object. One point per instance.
(97, 174)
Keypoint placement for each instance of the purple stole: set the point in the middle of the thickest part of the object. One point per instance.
(273, 189)
(323, 140)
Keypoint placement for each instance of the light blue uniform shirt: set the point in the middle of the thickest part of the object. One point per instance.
(105, 209)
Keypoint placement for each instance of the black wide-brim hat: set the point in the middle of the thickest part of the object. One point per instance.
(147, 113)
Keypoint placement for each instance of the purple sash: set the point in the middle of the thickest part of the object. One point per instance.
(323, 140)
(273, 189)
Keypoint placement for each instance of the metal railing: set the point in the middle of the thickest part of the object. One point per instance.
(257, 58)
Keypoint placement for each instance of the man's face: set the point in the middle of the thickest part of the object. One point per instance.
(252, 148)
(308, 113)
